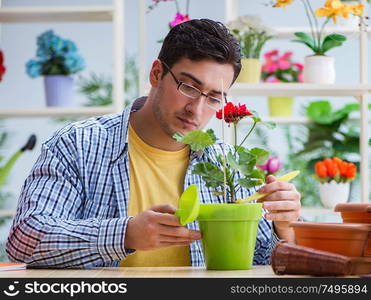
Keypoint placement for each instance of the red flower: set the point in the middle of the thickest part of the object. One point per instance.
(233, 113)
(2, 67)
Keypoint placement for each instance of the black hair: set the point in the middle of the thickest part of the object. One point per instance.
(201, 39)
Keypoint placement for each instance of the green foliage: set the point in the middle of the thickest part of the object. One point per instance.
(329, 42)
(197, 139)
(239, 159)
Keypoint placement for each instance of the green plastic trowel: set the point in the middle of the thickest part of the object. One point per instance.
(189, 205)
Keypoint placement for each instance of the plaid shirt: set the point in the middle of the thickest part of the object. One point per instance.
(72, 210)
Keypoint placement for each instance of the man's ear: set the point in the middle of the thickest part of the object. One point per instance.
(155, 75)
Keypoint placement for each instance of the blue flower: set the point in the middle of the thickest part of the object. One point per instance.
(74, 63)
(55, 54)
(33, 68)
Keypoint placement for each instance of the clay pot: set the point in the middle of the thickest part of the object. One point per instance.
(340, 238)
(357, 213)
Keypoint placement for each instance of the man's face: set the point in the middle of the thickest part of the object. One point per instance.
(176, 112)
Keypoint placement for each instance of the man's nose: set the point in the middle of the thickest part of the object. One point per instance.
(196, 106)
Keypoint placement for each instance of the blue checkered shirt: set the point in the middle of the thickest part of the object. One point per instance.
(72, 210)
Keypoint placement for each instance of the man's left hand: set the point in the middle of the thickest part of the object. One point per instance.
(283, 205)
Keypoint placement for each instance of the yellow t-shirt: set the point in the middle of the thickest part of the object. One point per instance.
(156, 177)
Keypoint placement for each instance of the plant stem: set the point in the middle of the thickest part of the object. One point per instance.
(315, 22)
(312, 29)
(320, 33)
(177, 6)
(251, 129)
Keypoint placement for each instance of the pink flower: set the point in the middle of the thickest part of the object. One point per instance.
(301, 77)
(284, 64)
(272, 165)
(270, 54)
(299, 66)
(287, 55)
(179, 18)
(272, 79)
(270, 67)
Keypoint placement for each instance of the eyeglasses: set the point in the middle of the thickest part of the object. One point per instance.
(194, 93)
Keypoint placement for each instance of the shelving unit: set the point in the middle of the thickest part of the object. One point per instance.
(359, 91)
(43, 14)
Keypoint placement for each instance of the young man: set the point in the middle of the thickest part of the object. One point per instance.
(103, 191)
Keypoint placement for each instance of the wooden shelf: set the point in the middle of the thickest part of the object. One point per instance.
(56, 112)
(299, 89)
(38, 14)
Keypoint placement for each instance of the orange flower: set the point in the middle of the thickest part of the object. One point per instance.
(351, 171)
(343, 168)
(337, 161)
(358, 9)
(333, 9)
(282, 3)
(321, 169)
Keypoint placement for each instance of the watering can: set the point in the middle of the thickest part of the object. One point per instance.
(4, 170)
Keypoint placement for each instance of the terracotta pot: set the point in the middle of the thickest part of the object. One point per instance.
(357, 213)
(344, 239)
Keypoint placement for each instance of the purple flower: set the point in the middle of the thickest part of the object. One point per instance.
(272, 165)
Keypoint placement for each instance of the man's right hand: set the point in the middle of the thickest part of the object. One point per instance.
(157, 227)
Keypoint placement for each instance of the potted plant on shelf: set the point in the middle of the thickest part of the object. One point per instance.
(2, 66)
(318, 67)
(252, 36)
(281, 69)
(334, 176)
(56, 60)
(228, 229)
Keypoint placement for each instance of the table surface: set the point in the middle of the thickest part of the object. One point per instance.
(169, 272)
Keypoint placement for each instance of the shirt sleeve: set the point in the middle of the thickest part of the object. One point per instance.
(49, 229)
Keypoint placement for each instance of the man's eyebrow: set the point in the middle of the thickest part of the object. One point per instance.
(198, 81)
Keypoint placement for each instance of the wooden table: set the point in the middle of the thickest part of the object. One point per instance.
(170, 272)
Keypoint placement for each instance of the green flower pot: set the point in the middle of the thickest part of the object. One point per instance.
(280, 106)
(229, 234)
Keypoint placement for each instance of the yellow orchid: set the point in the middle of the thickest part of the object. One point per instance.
(282, 3)
(333, 9)
(317, 41)
(358, 9)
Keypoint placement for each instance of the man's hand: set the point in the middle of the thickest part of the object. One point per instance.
(283, 206)
(158, 228)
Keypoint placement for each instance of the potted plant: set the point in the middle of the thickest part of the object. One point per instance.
(318, 67)
(334, 176)
(228, 229)
(56, 60)
(276, 69)
(252, 36)
(2, 66)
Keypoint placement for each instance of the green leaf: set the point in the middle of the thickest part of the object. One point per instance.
(257, 173)
(261, 155)
(249, 183)
(210, 173)
(197, 139)
(306, 40)
(246, 162)
(232, 161)
(332, 41)
(319, 111)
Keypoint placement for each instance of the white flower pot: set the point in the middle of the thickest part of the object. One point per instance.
(333, 193)
(319, 69)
